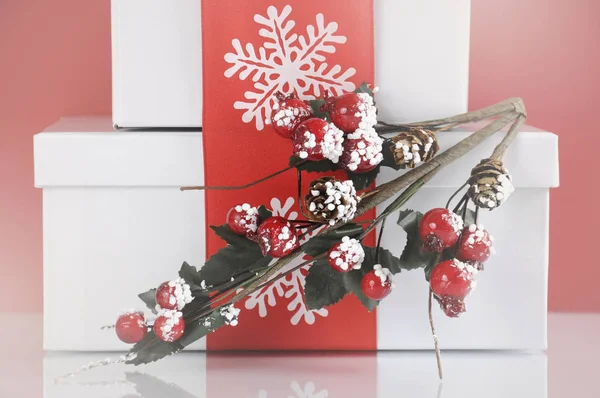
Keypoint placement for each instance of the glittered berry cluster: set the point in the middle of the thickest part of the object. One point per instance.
(333, 137)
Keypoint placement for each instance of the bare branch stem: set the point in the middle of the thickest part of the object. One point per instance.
(438, 354)
(237, 187)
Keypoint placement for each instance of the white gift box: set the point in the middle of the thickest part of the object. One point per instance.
(115, 224)
(157, 60)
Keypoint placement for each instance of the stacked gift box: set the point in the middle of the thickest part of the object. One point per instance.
(116, 223)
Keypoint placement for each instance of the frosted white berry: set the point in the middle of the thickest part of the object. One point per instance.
(346, 255)
(362, 151)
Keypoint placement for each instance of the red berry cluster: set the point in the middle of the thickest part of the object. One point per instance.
(171, 297)
(452, 280)
(349, 139)
(276, 236)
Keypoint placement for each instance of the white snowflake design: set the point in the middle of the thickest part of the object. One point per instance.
(287, 62)
(309, 391)
(290, 287)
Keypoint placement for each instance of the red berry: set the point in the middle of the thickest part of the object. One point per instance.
(346, 255)
(475, 244)
(377, 284)
(277, 237)
(169, 326)
(453, 306)
(452, 278)
(131, 327)
(173, 295)
(288, 112)
(440, 229)
(352, 111)
(243, 219)
(315, 140)
(362, 151)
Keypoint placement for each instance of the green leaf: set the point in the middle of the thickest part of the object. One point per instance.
(263, 214)
(324, 286)
(230, 261)
(414, 256)
(240, 241)
(321, 166)
(152, 349)
(364, 88)
(149, 298)
(363, 180)
(322, 243)
(316, 105)
(192, 276)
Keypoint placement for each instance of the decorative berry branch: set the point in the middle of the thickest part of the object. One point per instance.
(450, 246)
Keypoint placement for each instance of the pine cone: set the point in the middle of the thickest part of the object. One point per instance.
(490, 184)
(414, 147)
(331, 201)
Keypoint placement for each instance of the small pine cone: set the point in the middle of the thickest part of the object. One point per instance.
(414, 147)
(490, 184)
(331, 201)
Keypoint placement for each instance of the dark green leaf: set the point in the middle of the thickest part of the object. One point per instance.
(322, 243)
(239, 241)
(264, 213)
(363, 180)
(231, 261)
(151, 349)
(364, 88)
(324, 286)
(200, 329)
(149, 298)
(386, 259)
(313, 167)
(316, 105)
(414, 256)
(192, 276)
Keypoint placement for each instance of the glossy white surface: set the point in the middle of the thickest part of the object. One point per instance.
(567, 370)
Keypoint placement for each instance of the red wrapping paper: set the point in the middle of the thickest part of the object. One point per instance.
(252, 49)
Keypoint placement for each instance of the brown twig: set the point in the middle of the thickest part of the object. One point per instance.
(238, 187)
(438, 354)
(508, 138)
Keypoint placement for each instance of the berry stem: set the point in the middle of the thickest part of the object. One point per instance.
(237, 187)
(438, 353)
(379, 241)
(454, 195)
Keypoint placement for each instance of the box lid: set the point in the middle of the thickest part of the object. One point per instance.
(86, 151)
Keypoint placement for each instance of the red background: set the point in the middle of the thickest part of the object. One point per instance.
(55, 61)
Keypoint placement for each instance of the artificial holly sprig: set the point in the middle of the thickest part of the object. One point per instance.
(206, 314)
